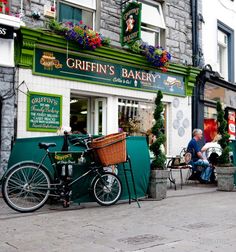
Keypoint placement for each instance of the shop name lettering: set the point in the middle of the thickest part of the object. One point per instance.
(110, 70)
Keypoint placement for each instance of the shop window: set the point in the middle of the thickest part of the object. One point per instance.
(153, 24)
(75, 14)
(78, 115)
(225, 51)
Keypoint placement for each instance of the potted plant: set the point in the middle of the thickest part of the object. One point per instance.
(225, 170)
(159, 174)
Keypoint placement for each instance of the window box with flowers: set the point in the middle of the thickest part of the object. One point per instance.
(4, 7)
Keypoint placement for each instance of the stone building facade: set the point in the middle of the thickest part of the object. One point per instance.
(176, 37)
(7, 108)
(177, 15)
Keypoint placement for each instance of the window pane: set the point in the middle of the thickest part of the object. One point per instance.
(65, 12)
(69, 13)
(87, 18)
(135, 116)
(152, 15)
(151, 37)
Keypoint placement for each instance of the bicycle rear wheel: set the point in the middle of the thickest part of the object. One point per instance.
(107, 189)
(26, 188)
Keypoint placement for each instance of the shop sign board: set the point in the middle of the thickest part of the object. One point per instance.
(44, 112)
(231, 124)
(99, 71)
(131, 23)
(6, 32)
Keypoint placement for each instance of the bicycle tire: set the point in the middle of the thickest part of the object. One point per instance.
(106, 186)
(16, 186)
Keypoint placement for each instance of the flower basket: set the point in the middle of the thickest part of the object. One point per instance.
(110, 149)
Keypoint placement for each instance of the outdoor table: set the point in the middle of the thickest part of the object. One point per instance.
(26, 149)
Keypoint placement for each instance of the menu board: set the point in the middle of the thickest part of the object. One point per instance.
(44, 112)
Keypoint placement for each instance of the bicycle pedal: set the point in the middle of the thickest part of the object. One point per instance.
(66, 204)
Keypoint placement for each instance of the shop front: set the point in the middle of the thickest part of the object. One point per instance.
(211, 88)
(98, 92)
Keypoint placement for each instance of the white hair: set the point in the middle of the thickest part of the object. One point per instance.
(197, 131)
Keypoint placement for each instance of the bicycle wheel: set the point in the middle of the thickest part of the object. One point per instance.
(26, 188)
(107, 189)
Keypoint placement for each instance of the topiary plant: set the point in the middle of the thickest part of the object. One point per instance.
(223, 131)
(157, 131)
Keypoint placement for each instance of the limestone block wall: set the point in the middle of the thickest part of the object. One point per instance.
(7, 114)
(177, 14)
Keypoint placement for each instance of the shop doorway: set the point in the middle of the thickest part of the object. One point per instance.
(88, 115)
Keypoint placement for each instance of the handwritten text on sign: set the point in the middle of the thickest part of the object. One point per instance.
(44, 112)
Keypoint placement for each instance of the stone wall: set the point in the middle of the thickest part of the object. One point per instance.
(28, 7)
(178, 35)
(179, 30)
(176, 13)
(7, 114)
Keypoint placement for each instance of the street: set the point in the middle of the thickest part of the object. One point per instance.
(196, 218)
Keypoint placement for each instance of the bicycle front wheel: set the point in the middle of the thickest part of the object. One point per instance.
(26, 188)
(107, 189)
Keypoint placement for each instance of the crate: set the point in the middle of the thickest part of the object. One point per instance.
(110, 149)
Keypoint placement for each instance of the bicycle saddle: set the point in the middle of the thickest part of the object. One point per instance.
(46, 145)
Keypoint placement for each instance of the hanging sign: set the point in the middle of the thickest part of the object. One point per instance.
(231, 124)
(44, 112)
(131, 23)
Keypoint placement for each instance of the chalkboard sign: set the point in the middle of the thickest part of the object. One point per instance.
(44, 112)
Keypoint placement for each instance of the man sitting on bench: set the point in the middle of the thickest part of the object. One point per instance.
(201, 169)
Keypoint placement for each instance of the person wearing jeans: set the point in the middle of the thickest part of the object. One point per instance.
(197, 157)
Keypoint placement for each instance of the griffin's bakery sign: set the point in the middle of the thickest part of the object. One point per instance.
(131, 23)
(91, 70)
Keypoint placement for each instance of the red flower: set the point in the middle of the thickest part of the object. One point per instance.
(7, 9)
(0, 9)
(80, 22)
(164, 69)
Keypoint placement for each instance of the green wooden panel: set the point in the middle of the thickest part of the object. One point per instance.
(137, 149)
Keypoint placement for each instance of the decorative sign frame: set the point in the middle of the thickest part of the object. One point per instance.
(131, 23)
(44, 112)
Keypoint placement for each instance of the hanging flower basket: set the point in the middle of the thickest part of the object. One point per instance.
(4, 7)
(83, 35)
(156, 55)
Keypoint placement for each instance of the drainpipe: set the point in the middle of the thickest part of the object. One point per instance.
(195, 32)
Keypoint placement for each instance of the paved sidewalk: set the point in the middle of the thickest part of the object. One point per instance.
(197, 218)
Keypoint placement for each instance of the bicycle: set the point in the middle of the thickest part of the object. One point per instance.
(27, 185)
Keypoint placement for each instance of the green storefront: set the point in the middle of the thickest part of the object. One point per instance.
(98, 92)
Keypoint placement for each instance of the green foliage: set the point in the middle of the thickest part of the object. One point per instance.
(57, 27)
(223, 131)
(157, 131)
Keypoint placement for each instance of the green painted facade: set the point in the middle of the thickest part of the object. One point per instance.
(32, 39)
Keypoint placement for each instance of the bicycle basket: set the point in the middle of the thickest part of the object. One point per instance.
(110, 149)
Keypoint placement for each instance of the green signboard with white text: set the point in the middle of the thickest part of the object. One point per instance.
(99, 71)
(44, 112)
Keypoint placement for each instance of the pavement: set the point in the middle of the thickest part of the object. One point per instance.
(196, 218)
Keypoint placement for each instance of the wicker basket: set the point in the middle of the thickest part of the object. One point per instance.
(110, 149)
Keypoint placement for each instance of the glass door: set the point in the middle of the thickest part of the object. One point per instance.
(100, 116)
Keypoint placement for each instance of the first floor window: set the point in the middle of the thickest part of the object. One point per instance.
(222, 54)
(75, 14)
(153, 24)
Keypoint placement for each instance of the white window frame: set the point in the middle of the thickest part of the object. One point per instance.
(74, 3)
(224, 56)
(159, 30)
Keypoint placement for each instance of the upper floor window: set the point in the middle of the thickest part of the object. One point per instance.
(153, 24)
(222, 53)
(76, 10)
(225, 51)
